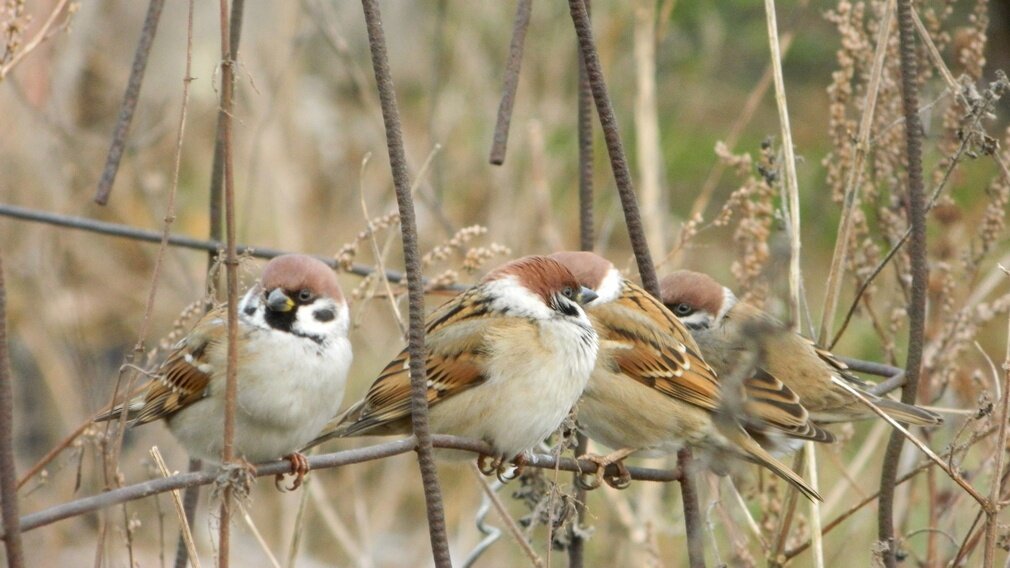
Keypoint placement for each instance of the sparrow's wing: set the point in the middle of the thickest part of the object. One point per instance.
(775, 406)
(654, 347)
(184, 376)
(456, 356)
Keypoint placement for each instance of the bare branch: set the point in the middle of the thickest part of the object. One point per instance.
(325, 461)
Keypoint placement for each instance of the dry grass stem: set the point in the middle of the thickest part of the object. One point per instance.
(986, 505)
(649, 148)
(380, 261)
(851, 200)
(996, 489)
(184, 528)
(12, 57)
(336, 526)
(816, 538)
(791, 182)
(258, 536)
(510, 523)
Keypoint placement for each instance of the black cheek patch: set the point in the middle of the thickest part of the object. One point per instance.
(568, 308)
(324, 315)
(250, 310)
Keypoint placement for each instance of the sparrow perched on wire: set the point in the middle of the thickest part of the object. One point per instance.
(293, 357)
(506, 361)
(725, 328)
(652, 393)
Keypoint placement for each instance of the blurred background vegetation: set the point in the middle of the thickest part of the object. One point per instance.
(307, 116)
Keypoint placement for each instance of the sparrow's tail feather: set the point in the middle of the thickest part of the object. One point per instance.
(907, 413)
(133, 408)
(345, 424)
(759, 455)
(898, 410)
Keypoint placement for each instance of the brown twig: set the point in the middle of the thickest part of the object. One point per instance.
(978, 112)
(499, 143)
(8, 474)
(324, 461)
(862, 148)
(633, 221)
(793, 552)
(40, 36)
(191, 497)
(991, 524)
(782, 530)
(415, 287)
(917, 253)
(129, 101)
(902, 431)
(228, 63)
(747, 112)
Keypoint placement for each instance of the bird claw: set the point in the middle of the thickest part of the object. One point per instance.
(489, 465)
(299, 468)
(619, 480)
(518, 466)
(505, 471)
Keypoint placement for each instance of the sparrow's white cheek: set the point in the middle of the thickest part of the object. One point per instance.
(509, 296)
(323, 318)
(609, 289)
(697, 320)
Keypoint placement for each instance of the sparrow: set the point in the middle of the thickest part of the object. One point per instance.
(725, 327)
(505, 361)
(651, 392)
(293, 358)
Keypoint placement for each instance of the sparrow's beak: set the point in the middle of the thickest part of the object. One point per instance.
(587, 295)
(278, 301)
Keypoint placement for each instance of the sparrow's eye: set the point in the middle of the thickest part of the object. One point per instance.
(568, 292)
(305, 294)
(683, 309)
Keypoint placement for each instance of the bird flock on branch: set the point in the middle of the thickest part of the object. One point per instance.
(507, 361)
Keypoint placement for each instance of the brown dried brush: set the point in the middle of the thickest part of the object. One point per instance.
(753, 205)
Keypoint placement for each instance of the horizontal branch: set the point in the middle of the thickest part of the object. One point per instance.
(895, 376)
(143, 235)
(183, 480)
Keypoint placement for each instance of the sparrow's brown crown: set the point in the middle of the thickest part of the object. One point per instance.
(541, 275)
(294, 272)
(588, 268)
(700, 291)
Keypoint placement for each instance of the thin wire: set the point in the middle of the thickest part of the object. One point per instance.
(210, 246)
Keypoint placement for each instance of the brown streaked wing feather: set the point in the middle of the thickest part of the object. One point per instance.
(657, 350)
(777, 407)
(837, 364)
(455, 362)
(180, 383)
